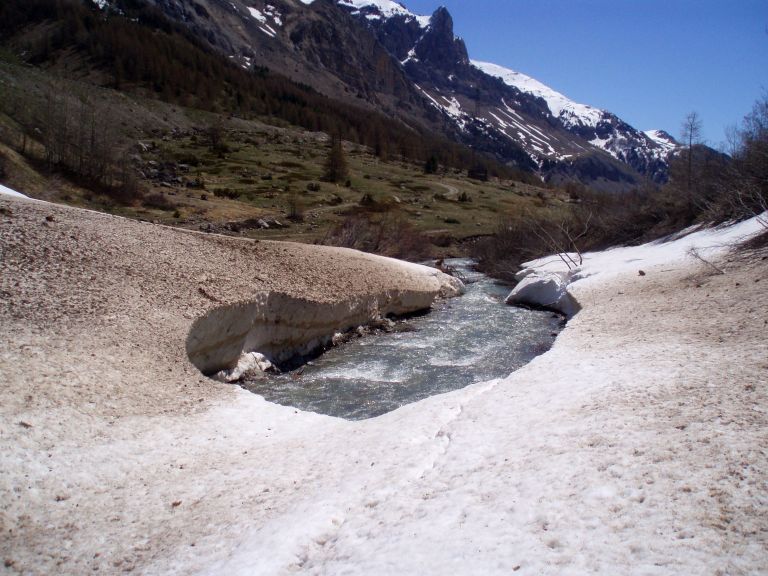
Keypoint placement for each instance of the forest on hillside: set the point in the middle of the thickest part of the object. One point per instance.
(141, 51)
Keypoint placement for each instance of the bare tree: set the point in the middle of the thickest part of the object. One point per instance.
(215, 136)
(562, 237)
(752, 159)
(690, 134)
(732, 142)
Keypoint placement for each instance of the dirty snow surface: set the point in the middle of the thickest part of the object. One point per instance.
(636, 445)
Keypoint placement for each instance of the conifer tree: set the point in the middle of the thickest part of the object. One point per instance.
(336, 164)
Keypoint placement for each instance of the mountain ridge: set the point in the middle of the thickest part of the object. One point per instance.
(597, 130)
(413, 68)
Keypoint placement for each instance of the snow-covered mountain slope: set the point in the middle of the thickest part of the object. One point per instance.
(663, 139)
(567, 111)
(646, 152)
(383, 9)
(548, 126)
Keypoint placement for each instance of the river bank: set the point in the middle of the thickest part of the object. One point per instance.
(635, 445)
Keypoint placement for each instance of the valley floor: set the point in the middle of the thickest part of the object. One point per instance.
(637, 445)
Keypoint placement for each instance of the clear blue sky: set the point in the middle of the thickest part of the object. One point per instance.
(648, 61)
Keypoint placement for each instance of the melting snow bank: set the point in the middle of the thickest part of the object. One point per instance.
(548, 282)
(635, 445)
(278, 327)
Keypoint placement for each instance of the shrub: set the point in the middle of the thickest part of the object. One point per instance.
(291, 164)
(128, 192)
(226, 193)
(159, 201)
(388, 234)
(442, 240)
(197, 183)
(295, 209)
(188, 159)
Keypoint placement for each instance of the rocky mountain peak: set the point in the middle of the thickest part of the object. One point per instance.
(439, 46)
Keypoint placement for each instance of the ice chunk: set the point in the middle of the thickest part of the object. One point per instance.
(542, 289)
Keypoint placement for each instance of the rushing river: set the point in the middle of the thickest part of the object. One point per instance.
(473, 338)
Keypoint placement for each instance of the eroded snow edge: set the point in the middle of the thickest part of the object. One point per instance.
(280, 327)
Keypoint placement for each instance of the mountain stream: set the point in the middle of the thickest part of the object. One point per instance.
(472, 338)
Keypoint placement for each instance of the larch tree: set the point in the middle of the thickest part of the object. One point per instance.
(690, 134)
(336, 169)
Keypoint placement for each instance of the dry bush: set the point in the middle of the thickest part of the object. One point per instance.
(757, 243)
(295, 209)
(593, 221)
(517, 239)
(159, 201)
(388, 234)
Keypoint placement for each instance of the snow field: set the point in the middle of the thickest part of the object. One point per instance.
(609, 454)
(634, 446)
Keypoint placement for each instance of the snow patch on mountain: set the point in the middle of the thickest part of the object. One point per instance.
(511, 124)
(270, 14)
(569, 112)
(646, 152)
(378, 9)
(411, 57)
(451, 107)
(663, 139)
